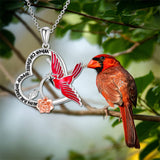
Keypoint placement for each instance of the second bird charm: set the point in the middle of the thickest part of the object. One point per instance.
(58, 76)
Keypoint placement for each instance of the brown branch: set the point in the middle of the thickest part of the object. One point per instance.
(20, 56)
(41, 19)
(129, 50)
(7, 90)
(92, 17)
(135, 45)
(148, 107)
(101, 112)
(6, 73)
(94, 111)
(28, 28)
(73, 30)
(86, 105)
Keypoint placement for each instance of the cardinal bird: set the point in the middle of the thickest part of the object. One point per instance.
(62, 80)
(118, 87)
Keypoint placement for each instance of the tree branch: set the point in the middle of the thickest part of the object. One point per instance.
(73, 30)
(28, 28)
(93, 111)
(101, 112)
(92, 17)
(6, 73)
(132, 48)
(149, 107)
(129, 50)
(7, 90)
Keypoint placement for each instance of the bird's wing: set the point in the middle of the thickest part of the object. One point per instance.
(126, 84)
(109, 88)
(133, 91)
(57, 68)
(77, 70)
(70, 93)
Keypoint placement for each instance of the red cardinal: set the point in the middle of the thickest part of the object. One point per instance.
(118, 87)
(62, 81)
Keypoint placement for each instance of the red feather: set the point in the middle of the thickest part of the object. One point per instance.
(129, 127)
(56, 66)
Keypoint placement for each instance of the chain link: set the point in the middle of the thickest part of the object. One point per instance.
(31, 12)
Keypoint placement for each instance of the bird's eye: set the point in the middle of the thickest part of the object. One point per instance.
(102, 58)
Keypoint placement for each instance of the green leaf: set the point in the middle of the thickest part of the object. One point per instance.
(75, 6)
(113, 45)
(11, 5)
(140, 34)
(125, 60)
(75, 156)
(5, 50)
(116, 122)
(91, 8)
(138, 110)
(49, 157)
(112, 27)
(61, 31)
(96, 28)
(75, 35)
(5, 18)
(148, 149)
(143, 82)
(110, 15)
(58, 2)
(144, 51)
(76, 31)
(136, 4)
(144, 129)
(153, 96)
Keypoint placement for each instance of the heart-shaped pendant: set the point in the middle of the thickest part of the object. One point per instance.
(58, 77)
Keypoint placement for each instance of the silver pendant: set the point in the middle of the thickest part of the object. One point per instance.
(58, 76)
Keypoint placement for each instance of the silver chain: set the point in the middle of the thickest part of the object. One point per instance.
(31, 12)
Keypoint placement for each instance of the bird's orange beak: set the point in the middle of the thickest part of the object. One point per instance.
(93, 64)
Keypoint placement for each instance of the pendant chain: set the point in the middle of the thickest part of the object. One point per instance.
(31, 12)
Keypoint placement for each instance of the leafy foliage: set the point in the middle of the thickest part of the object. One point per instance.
(149, 148)
(5, 51)
(143, 82)
(74, 155)
(153, 97)
(146, 129)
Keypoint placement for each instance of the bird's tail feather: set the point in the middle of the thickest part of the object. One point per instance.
(129, 126)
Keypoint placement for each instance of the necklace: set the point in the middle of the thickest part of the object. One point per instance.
(58, 76)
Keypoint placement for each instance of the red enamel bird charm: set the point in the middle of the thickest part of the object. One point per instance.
(62, 80)
(118, 87)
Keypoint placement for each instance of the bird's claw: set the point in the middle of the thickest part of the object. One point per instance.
(106, 111)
